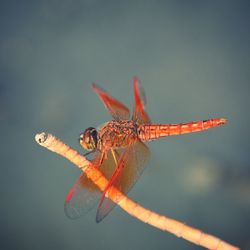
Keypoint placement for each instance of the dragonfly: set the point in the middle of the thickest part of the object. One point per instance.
(118, 149)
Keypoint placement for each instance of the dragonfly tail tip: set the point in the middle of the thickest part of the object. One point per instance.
(223, 120)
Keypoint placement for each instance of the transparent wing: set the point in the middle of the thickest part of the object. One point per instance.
(115, 107)
(81, 198)
(130, 166)
(139, 113)
(84, 195)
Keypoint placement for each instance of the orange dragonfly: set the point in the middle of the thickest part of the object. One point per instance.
(118, 150)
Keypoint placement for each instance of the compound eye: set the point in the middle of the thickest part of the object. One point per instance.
(93, 137)
(88, 139)
(94, 134)
(81, 137)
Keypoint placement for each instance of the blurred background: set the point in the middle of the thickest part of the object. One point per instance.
(193, 60)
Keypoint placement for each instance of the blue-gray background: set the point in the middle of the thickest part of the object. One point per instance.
(193, 60)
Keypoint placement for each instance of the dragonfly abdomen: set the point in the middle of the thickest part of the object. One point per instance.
(148, 132)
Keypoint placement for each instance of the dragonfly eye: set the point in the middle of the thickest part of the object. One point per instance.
(88, 139)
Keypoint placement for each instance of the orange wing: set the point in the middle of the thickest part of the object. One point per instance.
(81, 198)
(129, 168)
(84, 195)
(116, 108)
(139, 114)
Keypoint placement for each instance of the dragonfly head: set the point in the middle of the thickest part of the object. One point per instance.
(88, 139)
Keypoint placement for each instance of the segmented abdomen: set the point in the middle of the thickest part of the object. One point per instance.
(149, 132)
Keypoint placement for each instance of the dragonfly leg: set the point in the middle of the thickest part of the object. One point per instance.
(113, 153)
(100, 157)
(88, 153)
(103, 156)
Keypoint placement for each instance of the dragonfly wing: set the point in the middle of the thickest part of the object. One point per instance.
(81, 198)
(130, 166)
(117, 109)
(105, 206)
(139, 113)
(84, 195)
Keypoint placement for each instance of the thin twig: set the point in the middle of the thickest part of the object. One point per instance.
(134, 209)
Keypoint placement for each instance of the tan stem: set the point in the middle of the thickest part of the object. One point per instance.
(134, 209)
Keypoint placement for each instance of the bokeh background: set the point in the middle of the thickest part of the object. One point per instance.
(193, 60)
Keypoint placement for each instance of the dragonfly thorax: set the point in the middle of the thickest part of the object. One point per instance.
(88, 139)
